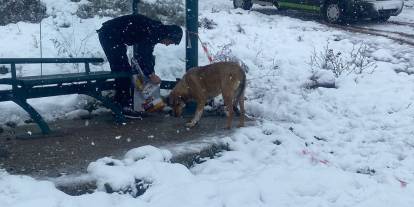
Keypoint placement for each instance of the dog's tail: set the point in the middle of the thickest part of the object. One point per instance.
(242, 87)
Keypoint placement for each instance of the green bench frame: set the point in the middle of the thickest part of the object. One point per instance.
(87, 83)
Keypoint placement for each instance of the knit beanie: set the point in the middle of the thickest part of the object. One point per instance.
(174, 33)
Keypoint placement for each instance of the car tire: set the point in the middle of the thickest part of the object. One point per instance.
(244, 4)
(333, 13)
(279, 8)
(382, 18)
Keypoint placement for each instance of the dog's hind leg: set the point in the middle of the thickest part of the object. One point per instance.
(240, 99)
(242, 111)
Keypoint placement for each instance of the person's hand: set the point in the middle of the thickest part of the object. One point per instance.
(155, 79)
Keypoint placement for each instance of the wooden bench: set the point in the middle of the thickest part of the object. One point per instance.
(86, 82)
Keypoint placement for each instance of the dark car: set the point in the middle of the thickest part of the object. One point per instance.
(335, 11)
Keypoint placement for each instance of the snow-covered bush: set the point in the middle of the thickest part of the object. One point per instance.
(13, 11)
(110, 8)
(328, 65)
(4, 70)
(356, 61)
(225, 54)
(69, 47)
(207, 23)
(169, 11)
(409, 3)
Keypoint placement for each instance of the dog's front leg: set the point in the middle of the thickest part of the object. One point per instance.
(228, 102)
(198, 114)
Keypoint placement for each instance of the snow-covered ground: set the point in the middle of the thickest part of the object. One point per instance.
(407, 14)
(347, 146)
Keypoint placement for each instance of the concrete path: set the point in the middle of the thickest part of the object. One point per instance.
(76, 143)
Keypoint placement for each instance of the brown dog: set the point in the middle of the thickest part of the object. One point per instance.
(203, 83)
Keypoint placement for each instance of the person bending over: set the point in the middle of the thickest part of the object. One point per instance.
(118, 33)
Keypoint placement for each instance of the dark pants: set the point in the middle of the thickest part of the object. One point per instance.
(116, 54)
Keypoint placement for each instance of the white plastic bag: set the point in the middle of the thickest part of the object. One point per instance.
(147, 97)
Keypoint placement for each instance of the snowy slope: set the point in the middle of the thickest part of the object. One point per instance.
(348, 146)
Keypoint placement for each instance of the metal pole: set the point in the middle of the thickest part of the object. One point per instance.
(135, 11)
(41, 46)
(191, 52)
(191, 34)
(135, 6)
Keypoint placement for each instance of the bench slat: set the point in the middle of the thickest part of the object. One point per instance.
(70, 77)
(49, 60)
(6, 81)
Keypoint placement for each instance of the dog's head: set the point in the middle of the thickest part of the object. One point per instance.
(178, 97)
(177, 103)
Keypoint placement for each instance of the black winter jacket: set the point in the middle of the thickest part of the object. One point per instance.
(136, 30)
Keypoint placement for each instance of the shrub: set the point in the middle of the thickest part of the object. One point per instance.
(357, 61)
(409, 3)
(328, 65)
(207, 23)
(225, 54)
(168, 11)
(111, 8)
(13, 11)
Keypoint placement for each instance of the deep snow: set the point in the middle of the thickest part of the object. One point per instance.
(348, 146)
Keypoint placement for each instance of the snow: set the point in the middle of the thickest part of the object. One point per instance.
(257, 172)
(407, 13)
(77, 113)
(347, 146)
